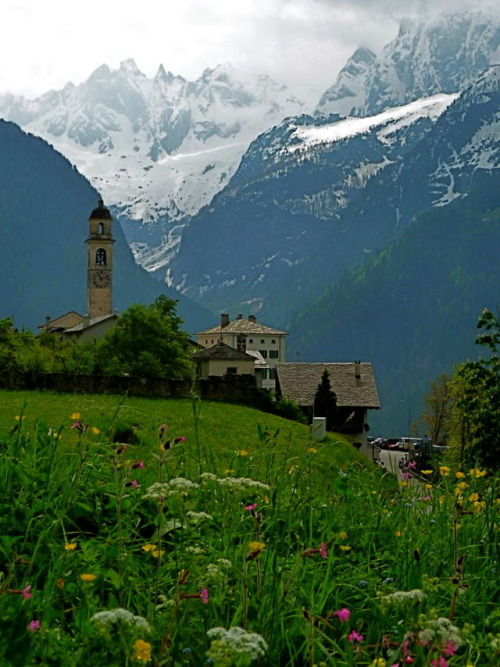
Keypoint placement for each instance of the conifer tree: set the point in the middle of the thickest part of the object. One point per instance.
(325, 402)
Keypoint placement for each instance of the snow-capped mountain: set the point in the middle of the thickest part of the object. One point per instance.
(310, 195)
(156, 148)
(440, 55)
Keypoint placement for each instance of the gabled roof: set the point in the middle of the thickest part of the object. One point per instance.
(89, 323)
(260, 362)
(222, 351)
(242, 326)
(58, 322)
(299, 382)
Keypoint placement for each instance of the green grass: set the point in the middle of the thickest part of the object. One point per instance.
(280, 533)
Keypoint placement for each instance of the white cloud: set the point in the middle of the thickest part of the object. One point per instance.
(303, 42)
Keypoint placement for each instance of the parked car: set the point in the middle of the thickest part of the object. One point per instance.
(410, 444)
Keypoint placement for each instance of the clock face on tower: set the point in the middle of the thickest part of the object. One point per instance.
(100, 278)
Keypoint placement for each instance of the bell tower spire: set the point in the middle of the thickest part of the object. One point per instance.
(99, 262)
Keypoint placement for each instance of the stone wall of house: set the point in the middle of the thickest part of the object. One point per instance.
(230, 388)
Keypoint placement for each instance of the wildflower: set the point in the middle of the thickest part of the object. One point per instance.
(342, 614)
(175, 487)
(475, 472)
(242, 452)
(479, 506)
(404, 484)
(444, 470)
(460, 487)
(322, 550)
(204, 595)
(119, 616)
(459, 474)
(60, 583)
(474, 497)
(138, 464)
(342, 535)
(428, 486)
(95, 430)
(355, 636)
(402, 596)
(426, 472)
(345, 548)
(378, 662)
(312, 450)
(33, 626)
(292, 469)
(149, 547)
(256, 546)
(26, 592)
(133, 483)
(70, 546)
(88, 577)
(198, 517)
(157, 553)
(75, 416)
(18, 418)
(142, 650)
(398, 533)
(251, 507)
(235, 646)
(228, 471)
(439, 662)
(450, 648)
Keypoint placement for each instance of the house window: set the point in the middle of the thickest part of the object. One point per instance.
(273, 341)
(250, 340)
(264, 373)
(262, 340)
(273, 354)
(241, 343)
(272, 374)
(263, 353)
(231, 370)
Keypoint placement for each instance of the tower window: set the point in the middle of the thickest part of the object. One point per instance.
(101, 228)
(100, 257)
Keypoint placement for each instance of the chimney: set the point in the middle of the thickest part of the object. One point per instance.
(252, 318)
(239, 316)
(224, 320)
(357, 370)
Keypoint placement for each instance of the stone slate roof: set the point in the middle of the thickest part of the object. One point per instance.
(241, 326)
(299, 381)
(222, 351)
(89, 323)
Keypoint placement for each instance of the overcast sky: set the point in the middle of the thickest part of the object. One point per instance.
(46, 43)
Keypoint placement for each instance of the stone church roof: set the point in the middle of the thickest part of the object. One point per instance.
(101, 212)
(242, 326)
(299, 381)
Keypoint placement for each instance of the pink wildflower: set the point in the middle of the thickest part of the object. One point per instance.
(33, 626)
(440, 662)
(323, 552)
(355, 637)
(204, 595)
(162, 429)
(450, 648)
(26, 592)
(412, 464)
(251, 507)
(133, 483)
(342, 614)
(138, 464)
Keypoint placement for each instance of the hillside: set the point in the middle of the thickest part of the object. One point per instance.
(44, 208)
(412, 309)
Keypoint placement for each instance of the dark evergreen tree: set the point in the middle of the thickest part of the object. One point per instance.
(325, 402)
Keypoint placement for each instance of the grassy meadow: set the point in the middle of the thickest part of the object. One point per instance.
(178, 532)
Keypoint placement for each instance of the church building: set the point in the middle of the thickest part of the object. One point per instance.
(100, 316)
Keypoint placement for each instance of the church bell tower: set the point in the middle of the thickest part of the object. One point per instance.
(99, 263)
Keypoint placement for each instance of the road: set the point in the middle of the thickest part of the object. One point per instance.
(390, 459)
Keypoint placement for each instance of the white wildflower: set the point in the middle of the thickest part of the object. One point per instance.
(208, 477)
(105, 619)
(235, 646)
(440, 631)
(242, 484)
(170, 525)
(198, 517)
(196, 551)
(174, 487)
(165, 603)
(404, 596)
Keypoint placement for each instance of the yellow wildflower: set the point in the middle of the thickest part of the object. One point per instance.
(18, 418)
(242, 452)
(404, 484)
(398, 533)
(149, 547)
(256, 546)
(95, 430)
(474, 497)
(88, 577)
(479, 506)
(70, 546)
(475, 472)
(292, 469)
(75, 415)
(378, 662)
(142, 650)
(312, 450)
(460, 487)
(345, 548)
(459, 474)
(426, 472)
(428, 486)
(229, 471)
(444, 470)
(157, 553)
(342, 535)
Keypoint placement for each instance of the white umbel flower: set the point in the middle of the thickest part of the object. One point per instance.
(119, 616)
(235, 645)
